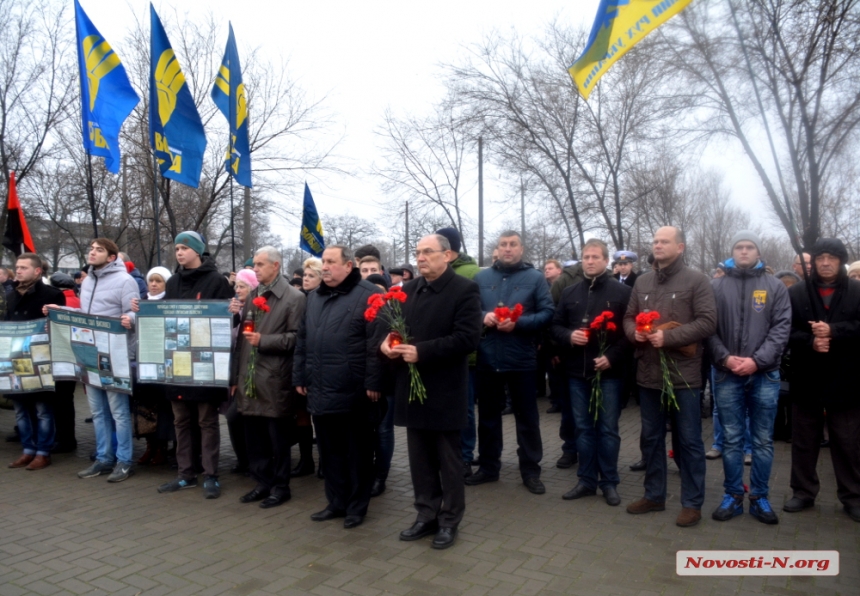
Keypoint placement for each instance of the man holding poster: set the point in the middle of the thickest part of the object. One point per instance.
(25, 303)
(108, 291)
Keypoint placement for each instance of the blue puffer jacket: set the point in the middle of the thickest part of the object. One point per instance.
(509, 286)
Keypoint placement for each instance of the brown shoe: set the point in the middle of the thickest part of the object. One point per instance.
(39, 462)
(688, 517)
(22, 461)
(643, 505)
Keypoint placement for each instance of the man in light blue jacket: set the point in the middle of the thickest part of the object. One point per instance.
(507, 356)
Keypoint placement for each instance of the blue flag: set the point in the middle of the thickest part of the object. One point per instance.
(312, 232)
(175, 130)
(228, 93)
(107, 97)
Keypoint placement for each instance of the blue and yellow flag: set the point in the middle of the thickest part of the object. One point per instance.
(228, 93)
(175, 129)
(620, 25)
(107, 97)
(312, 232)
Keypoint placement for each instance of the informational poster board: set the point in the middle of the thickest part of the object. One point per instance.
(25, 357)
(184, 342)
(91, 349)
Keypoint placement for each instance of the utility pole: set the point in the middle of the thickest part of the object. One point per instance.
(406, 239)
(480, 201)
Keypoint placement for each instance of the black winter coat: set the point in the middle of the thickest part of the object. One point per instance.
(586, 300)
(445, 321)
(824, 379)
(630, 280)
(336, 356)
(203, 283)
(29, 306)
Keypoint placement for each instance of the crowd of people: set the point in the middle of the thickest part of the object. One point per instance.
(455, 348)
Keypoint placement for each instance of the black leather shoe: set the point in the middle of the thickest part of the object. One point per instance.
(257, 494)
(553, 409)
(378, 487)
(795, 504)
(325, 515)
(467, 470)
(853, 512)
(480, 477)
(305, 467)
(578, 491)
(239, 469)
(610, 495)
(353, 521)
(534, 485)
(638, 466)
(274, 500)
(566, 461)
(419, 530)
(507, 411)
(444, 538)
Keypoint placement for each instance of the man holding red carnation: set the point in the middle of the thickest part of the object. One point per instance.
(587, 327)
(508, 356)
(669, 348)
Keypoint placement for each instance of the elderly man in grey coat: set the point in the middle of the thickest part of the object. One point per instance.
(262, 373)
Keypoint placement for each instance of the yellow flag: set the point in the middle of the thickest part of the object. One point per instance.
(620, 25)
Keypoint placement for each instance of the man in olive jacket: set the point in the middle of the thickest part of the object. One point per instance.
(443, 316)
(337, 366)
(688, 315)
(269, 405)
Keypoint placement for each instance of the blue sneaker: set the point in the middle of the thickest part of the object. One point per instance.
(761, 510)
(732, 506)
(177, 484)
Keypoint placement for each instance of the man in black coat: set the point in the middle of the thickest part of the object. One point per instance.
(337, 366)
(196, 279)
(597, 439)
(34, 412)
(824, 343)
(443, 316)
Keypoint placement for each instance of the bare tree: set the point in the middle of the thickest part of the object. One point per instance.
(788, 70)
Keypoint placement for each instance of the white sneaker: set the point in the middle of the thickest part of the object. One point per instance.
(713, 454)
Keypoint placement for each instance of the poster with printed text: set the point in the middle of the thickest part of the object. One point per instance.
(25, 357)
(184, 342)
(91, 349)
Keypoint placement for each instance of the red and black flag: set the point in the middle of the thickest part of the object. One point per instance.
(17, 237)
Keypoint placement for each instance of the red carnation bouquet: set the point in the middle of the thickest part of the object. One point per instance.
(389, 306)
(261, 307)
(503, 313)
(600, 328)
(645, 324)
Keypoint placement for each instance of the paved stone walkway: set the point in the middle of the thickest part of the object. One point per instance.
(63, 535)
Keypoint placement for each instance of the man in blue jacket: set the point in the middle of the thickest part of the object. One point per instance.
(507, 356)
(753, 326)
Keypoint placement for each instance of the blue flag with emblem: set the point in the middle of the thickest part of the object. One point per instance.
(228, 93)
(175, 130)
(107, 97)
(312, 231)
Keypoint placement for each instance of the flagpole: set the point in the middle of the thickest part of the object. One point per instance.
(155, 209)
(232, 218)
(91, 194)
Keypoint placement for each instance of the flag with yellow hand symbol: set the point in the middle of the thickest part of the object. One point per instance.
(175, 129)
(229, 95)
(107, 97)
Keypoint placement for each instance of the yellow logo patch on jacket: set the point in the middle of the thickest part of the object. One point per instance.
(759, 300)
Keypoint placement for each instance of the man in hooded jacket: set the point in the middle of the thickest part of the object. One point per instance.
(824, 343)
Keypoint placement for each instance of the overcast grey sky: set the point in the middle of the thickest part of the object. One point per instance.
(365, 56)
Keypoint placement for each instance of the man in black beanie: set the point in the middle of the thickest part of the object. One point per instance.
(824, 343)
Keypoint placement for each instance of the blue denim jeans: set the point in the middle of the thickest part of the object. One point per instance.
(35, 420)
(718, 426)
(690, 453)
(598, 442)
(757, 394)
(111, 414)
(384, 449)
(469, 435)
